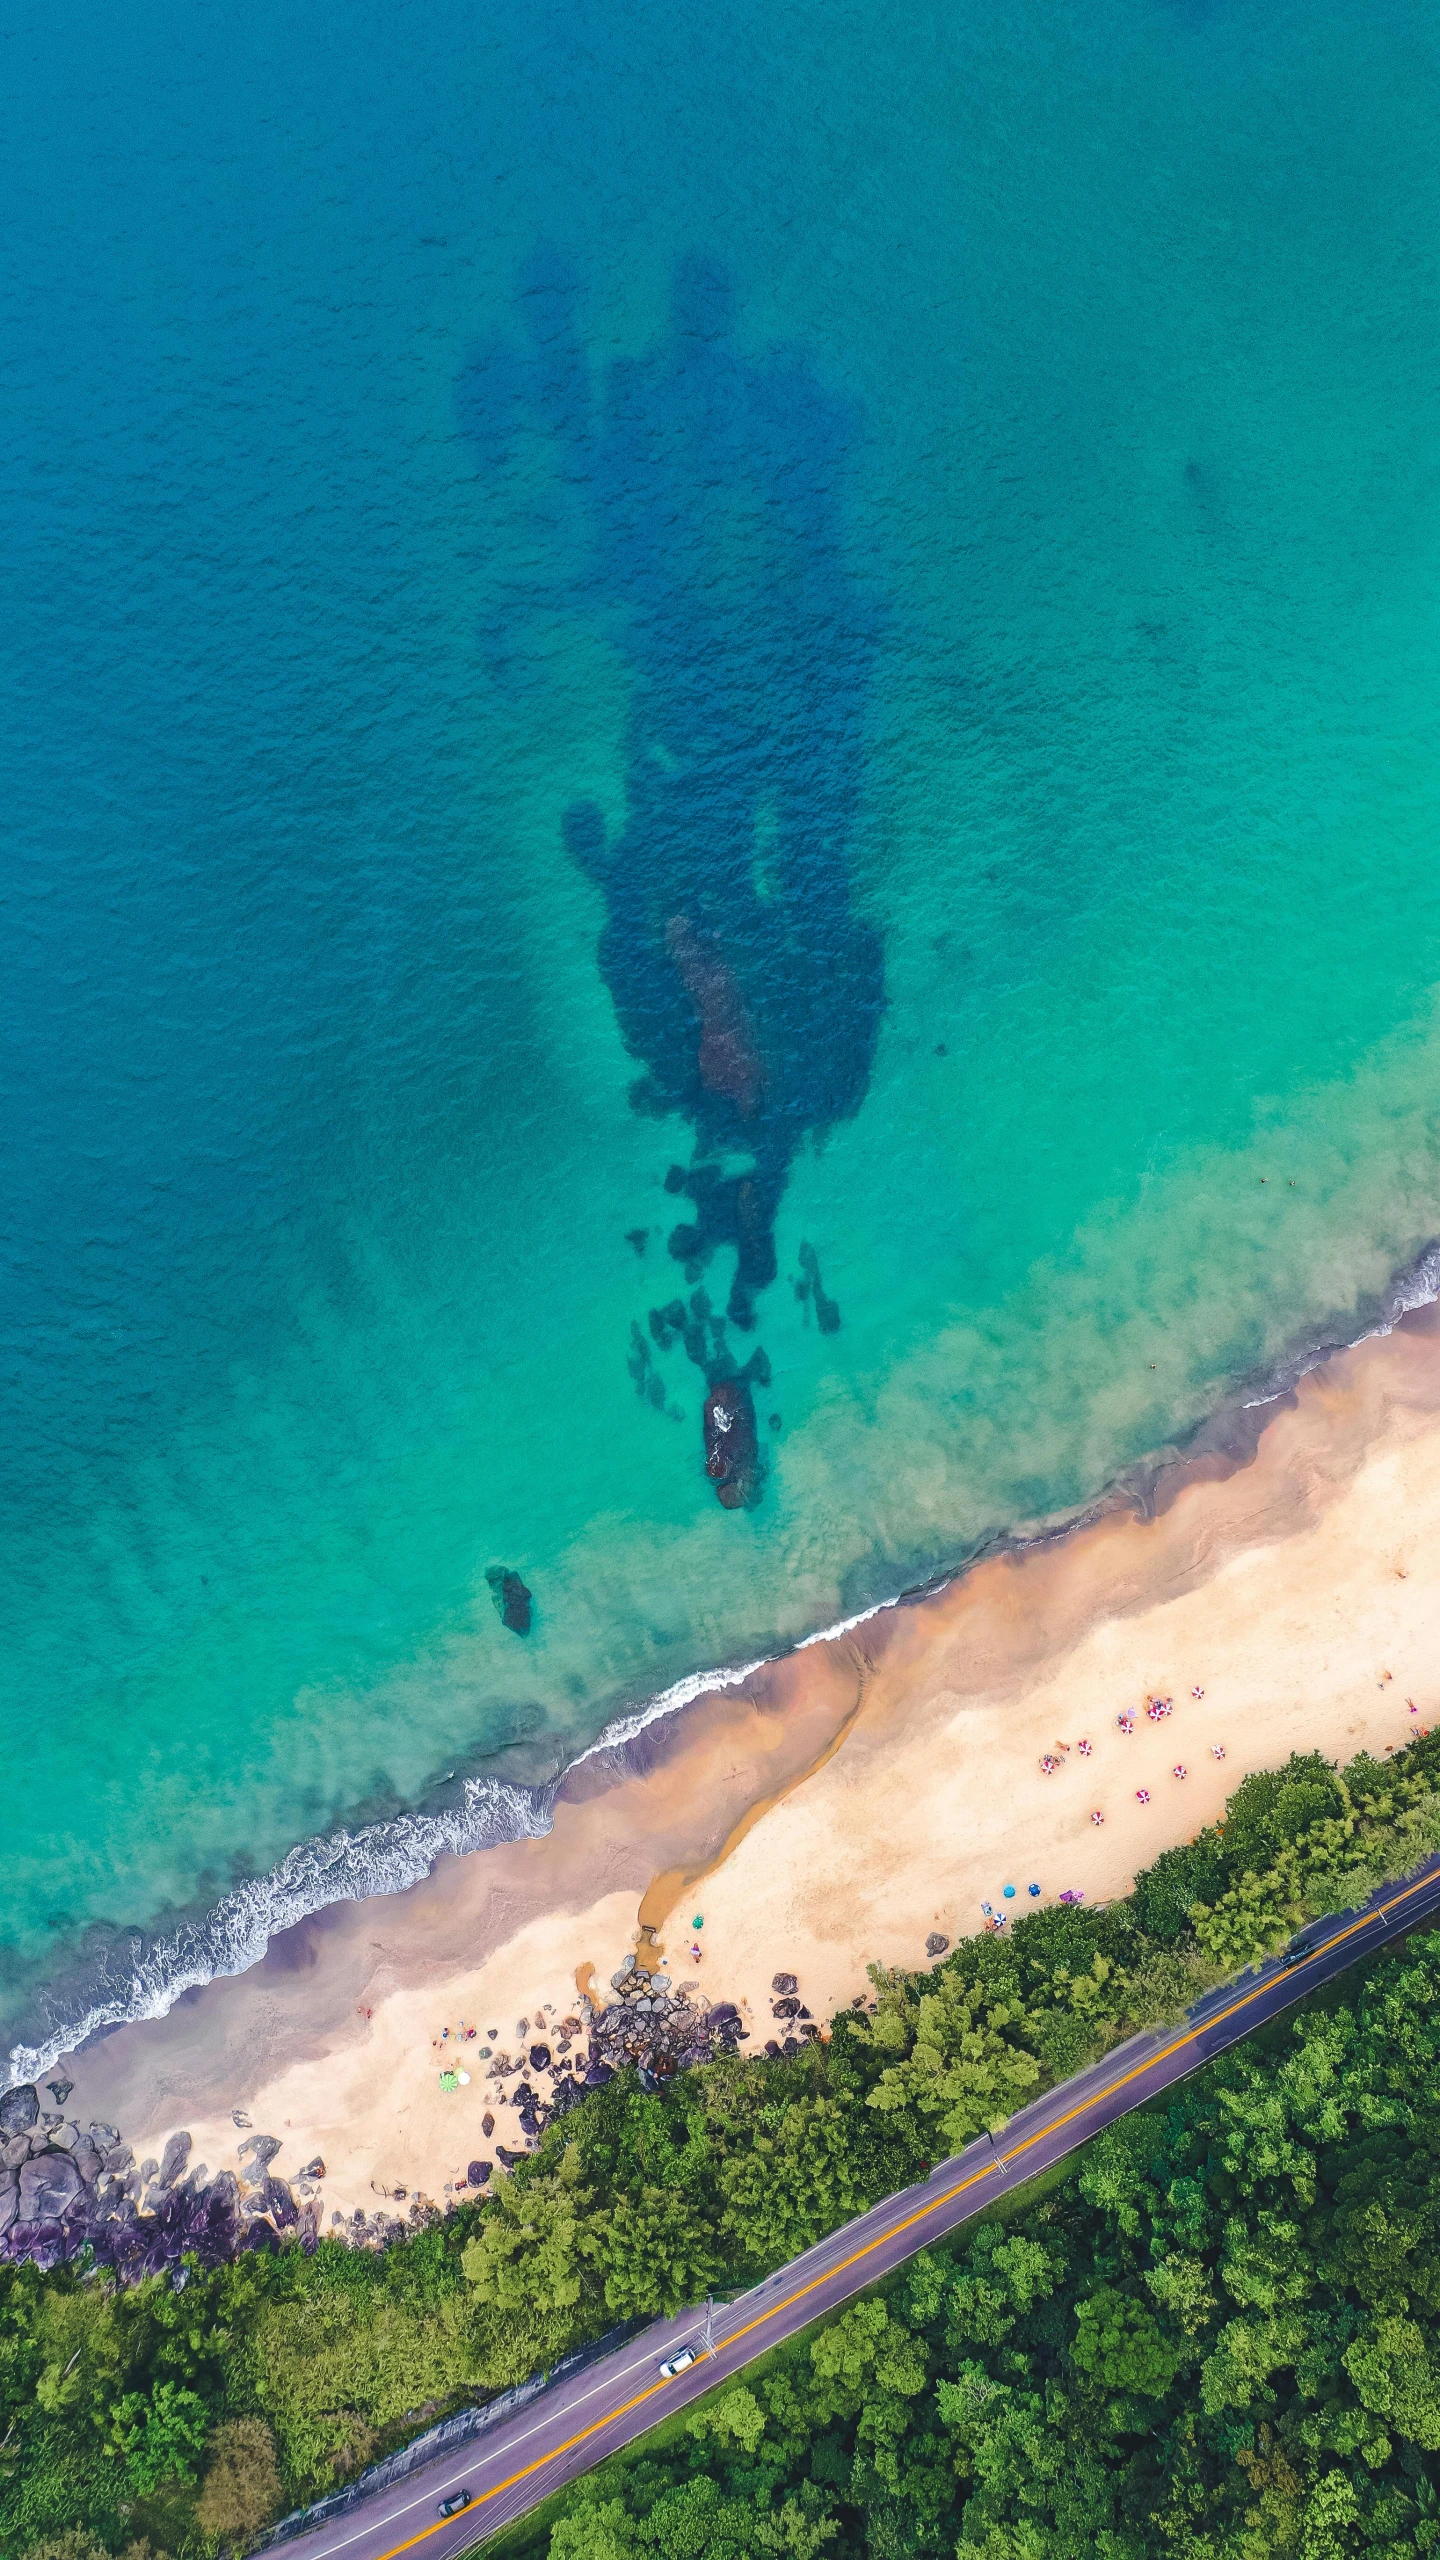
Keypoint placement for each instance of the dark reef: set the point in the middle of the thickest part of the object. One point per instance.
(511, 1598)
(706, 488)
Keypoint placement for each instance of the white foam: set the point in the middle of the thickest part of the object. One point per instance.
(1417, 1286)
(346, 1866)
(389, 1857)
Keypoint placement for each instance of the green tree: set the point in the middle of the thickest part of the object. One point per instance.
(735, 2417)
(656, 2252)
(530, 2255)
(1120, 2346)
(793, 2180)
(159, 2436)
(967, 2069)
(1396, 2376)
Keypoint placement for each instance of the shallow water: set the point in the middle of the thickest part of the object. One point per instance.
(837, 609)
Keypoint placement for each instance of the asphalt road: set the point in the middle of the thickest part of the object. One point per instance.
(578, 2421)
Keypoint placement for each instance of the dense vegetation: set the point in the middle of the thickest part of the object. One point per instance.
(152, 2420)
(1217, 2338)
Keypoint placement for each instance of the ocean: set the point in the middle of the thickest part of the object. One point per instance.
(705, 705)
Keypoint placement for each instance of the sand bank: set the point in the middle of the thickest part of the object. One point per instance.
(861, 1794)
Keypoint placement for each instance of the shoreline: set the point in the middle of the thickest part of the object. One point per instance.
(229, 1938)
(860, 1794)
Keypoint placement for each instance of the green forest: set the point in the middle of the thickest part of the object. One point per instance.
(1211, 2335)
(1216, 2337)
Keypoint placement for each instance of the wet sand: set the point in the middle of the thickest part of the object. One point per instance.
(862, 1793)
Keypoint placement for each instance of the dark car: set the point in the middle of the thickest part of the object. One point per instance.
(453, 2506)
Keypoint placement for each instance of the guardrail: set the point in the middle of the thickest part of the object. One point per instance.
(461, 2427)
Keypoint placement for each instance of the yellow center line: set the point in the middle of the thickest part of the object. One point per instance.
(893, 2230)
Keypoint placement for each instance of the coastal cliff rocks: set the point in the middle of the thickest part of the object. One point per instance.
(67, 2190)
(49, 2187)
(19, 2110)
(177, 2152)
(513, 1601)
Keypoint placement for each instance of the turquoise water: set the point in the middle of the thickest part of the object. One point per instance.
(836, 607)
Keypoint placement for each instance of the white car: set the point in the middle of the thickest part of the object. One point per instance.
(680, 2363)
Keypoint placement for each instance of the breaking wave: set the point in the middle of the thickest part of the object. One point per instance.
(141, 1976)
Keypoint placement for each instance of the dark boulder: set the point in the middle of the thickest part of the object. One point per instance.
(786, 2009)
(49, 2187)
(539, 2057)
(478, 2172)
(784, 1982)
(731, 1447)
(9, 2199)
(935, 1944)
(19, 2109)
(258, 2153)
(487, 2124)
(511, 1598)
(177, 2152)
(278, 2201)
(43, 2243)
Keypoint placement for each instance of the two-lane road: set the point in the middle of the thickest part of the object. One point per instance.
(578, 2421)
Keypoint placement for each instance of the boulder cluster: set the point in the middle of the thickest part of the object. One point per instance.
(648, 2024)
(66, 2187)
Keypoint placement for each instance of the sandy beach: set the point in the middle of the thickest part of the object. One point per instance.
(861, 1794)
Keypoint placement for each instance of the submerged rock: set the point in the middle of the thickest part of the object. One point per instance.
(511, 1598)
(731, 1447)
